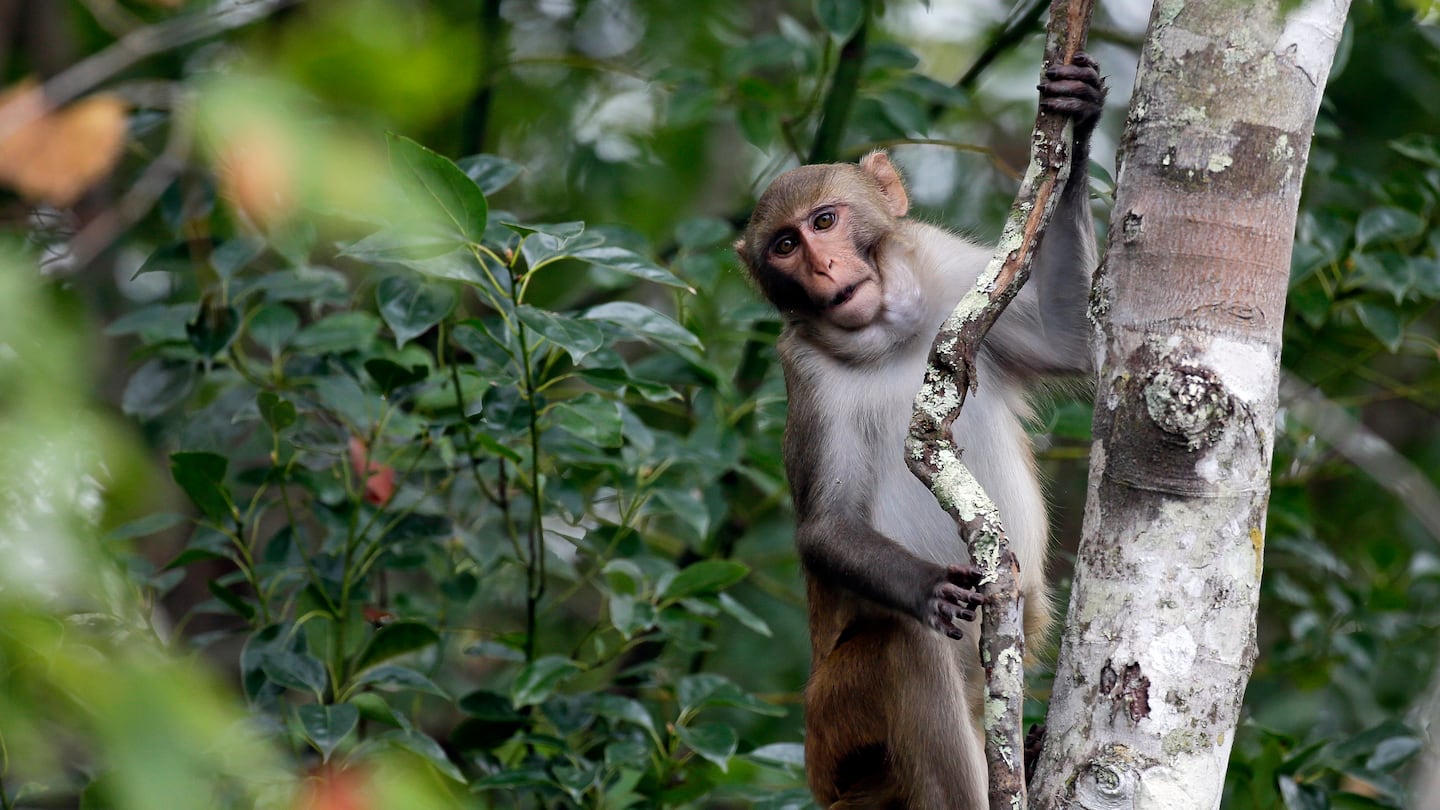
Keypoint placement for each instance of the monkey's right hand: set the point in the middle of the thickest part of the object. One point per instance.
(954, 597)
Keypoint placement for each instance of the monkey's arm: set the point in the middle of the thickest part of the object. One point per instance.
(846, 551)
(1044, 330)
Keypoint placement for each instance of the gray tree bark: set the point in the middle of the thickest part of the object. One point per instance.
(1188, 305)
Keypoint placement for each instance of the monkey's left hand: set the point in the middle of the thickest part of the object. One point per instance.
(954, 597)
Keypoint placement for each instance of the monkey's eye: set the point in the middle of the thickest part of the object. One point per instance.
(824, 221)
(785, 245)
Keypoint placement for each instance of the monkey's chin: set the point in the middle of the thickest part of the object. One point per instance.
(860, 309)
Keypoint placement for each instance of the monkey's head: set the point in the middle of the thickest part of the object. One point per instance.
(811, 242)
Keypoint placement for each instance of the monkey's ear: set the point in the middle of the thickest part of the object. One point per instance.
(877, 164)
(739, 247)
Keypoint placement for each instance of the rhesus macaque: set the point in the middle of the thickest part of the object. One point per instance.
(892, 706)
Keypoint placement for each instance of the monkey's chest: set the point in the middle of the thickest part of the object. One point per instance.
(905, 511)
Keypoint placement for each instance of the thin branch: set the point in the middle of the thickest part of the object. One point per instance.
(475, 133)
(141, 43)
(841, 97)
(932, 454)
(137, 201)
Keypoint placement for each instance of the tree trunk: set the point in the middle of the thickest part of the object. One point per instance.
(1160, 636)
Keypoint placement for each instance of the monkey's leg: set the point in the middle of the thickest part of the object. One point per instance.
(936, 749)
(846, 704)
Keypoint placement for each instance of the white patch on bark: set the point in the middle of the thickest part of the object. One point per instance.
(1172, 654)
(1246, 368)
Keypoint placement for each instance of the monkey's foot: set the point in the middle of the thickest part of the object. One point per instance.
(1034, 743)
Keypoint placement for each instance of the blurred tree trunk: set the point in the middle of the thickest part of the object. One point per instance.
(1189, 303)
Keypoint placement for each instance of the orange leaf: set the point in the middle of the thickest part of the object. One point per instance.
(55, 155)
(379, 478)
(255, 168)
(330, 788)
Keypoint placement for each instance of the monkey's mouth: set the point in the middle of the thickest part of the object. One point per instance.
(840, 298)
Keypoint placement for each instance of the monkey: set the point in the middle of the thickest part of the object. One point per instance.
(893, 700)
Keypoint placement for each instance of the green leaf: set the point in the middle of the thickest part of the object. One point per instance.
(312, 285)
(212, 329)
(457, 265)
(411, 307)
(327, 726)
(539, 678)
(156, 387)
(644, 323)
(1385, 271)
(229, 598)
(713, 741)
(703, 232)
(202, 476)
(1424, 148)
(630, 263)
(157, 323)
(402, 245)
(432, 179)
(706, 576)
(743, 615)
(629, 615)
(576, 337)
(1393, 753)
(558, 234)
(1384, 323)
(426, 747)
(144, 527)
(338, 333)
(841, 18)
(390, 375)
(392, 676)
(373, 707)
(618, 707)
(590, 417)
(278, 413)
(396, 639)
(708, 689)
(624, 577)
(232, 257)
(490, 173)
(1387, 224)
(272, 326)
(685, 506)
(298, 671)
(784, 755)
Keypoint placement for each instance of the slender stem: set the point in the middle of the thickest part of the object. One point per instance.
(841, 97)
(494, 33)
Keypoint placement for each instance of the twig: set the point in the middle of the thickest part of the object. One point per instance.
(846, 83)
(89, 73)
(932, 454)
(137, 201)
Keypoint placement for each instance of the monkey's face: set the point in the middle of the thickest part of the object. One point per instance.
(819, 252)
(812, 240)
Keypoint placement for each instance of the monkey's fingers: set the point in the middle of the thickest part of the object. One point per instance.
(1059, 89)
(1085, 74)
(958, 599)
(966, 575)
(945, 624)
(1083, 111)
(969, 578)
